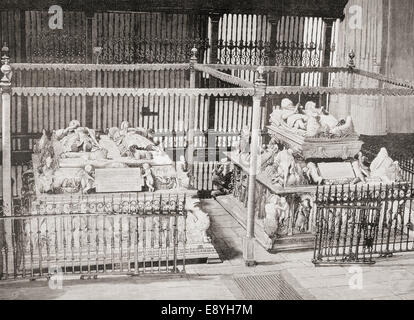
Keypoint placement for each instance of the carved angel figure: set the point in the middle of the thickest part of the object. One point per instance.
(244, 147)
(303, 214)
(286, 162)
(271, 222)
(148, 177)
(198, 222)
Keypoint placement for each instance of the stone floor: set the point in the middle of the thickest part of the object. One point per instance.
(387, 279)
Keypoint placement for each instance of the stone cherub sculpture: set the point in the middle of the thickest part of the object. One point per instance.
(277, 214)
(148, 177)
(286, 163)
(244, 145)
(271, 221)
(183, 172)
(222, 177)
(198, 222)
(303, 214)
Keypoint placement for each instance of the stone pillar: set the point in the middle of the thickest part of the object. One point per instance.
(249, 241)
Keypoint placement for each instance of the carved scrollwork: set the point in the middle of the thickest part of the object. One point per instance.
(156, 50)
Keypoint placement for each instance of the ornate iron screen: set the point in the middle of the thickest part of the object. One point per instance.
(151, 37)
(247, 40)
(44, 45)
(357, 224)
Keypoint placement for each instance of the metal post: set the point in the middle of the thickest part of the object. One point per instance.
(5, 85)
(249, 241)
(351, 80)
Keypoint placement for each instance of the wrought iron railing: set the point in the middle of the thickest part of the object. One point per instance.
(57, 47)
(358, 224)
(281, 53)
(146, 50)
(93, 238)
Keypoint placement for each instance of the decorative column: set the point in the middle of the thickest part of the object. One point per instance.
(273, 20)
(326, 58)
(350, 81)
(329, 22)
(90, 44)
(191, 116)
(5, 85)
(214, 41)
(213, 59)
(249, 241)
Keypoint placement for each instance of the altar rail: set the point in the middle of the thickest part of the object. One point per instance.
(358, 224)
(149, 237)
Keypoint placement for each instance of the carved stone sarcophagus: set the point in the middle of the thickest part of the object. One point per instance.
(321, 148)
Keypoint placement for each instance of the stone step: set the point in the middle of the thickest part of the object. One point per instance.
(294, 243)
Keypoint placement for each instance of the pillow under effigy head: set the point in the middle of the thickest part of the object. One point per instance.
(287, 104)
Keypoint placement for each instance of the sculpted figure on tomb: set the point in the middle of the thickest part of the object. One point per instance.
(385, 168)
(244, 146)
(286, 162)
(312, 174)
(343, 129)
(44, 143)
(88, 179)
(223, 177)
(76, 138)
(198, 222)
(282, 210)
(310, 121)
(303, 214)
(148, 177)
(269, 154)
(276, 221)
(46, 172)
(183, 172)
(314, 128)
(131, 139)
(271, 222)
(276, 117)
